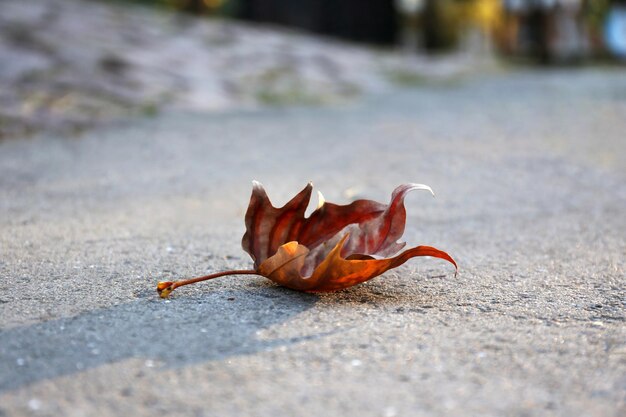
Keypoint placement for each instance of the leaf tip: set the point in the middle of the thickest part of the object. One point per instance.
(321, 200)
(425, 187)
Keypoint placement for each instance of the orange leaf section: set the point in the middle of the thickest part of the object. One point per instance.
(335, 272)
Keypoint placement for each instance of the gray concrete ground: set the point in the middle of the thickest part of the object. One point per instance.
(529, 173)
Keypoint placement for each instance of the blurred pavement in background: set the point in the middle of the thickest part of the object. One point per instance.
(68, 65)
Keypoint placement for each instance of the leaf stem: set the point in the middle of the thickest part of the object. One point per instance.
(164, 288)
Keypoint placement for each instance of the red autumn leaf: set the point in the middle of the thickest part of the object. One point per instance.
(332, 249)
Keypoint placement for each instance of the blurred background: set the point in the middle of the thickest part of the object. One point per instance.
(548, 31)
(66, 65)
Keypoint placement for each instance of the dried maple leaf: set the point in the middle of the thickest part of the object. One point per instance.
(332, 249)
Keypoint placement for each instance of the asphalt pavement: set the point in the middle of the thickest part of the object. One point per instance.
(528, 168)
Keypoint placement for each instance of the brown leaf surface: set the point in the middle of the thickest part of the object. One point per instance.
(334, 247)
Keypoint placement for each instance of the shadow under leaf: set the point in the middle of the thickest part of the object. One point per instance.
(185, 330)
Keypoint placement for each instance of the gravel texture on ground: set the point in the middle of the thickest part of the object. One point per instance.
(529, 172)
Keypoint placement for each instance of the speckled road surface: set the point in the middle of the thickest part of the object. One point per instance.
(529, 172)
